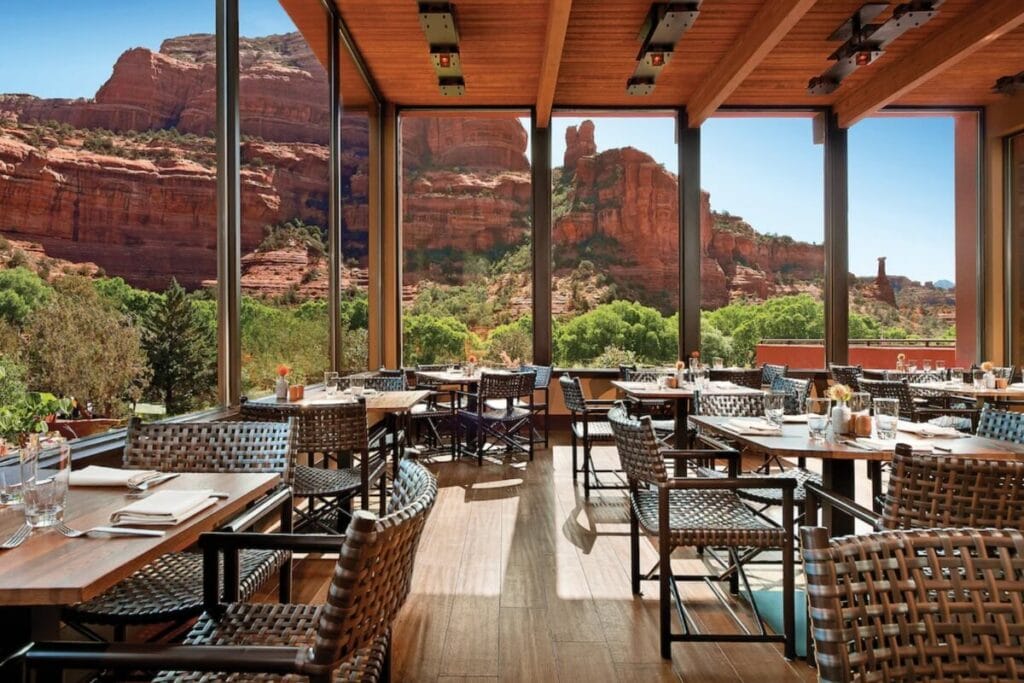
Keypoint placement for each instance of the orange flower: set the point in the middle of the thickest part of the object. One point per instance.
(695, 354)
(472, 359)
(987, 366)
(283, 370)
(680, 365)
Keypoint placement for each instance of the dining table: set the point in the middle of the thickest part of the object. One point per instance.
(1013, 393)
(49, 570)
(682, 396)
(838, 454)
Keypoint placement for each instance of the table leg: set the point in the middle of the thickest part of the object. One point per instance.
(682, 417)
(837, 476)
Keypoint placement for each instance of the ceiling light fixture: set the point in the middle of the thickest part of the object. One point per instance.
(664, 25)
(865, 42)
(438, 22)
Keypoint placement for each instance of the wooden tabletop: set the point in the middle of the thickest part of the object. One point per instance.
(954, 388)
(652, 390)
(378, 403)
(458, 377)
(49, 569)
(794, 442)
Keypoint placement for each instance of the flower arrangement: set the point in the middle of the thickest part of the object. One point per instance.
(680, 365)
(901, 357)
(987, 366)
(471, 359)
(694, 354)
(283, 370)
(840, 392)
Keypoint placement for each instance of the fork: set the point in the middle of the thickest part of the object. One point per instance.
(17, 538)
(155, 481)
(65, 530)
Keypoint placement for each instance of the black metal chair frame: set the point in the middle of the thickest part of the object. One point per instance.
(589, 424)
(541, 384)
(492, 428)
(434, 416)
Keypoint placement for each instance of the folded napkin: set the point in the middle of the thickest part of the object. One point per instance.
(753, 425)
(164, 508)
(795, 419)
(1016, 386)
(94, 475)
(881, 446)
(928, 430)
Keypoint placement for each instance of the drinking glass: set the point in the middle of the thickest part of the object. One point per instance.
(940, 365)
(717, 363)
(10, 484)
(911, 366)
(356, 384)
(957, 375)
(978, 376)
(817, 417)
(887, 415)
(330, 384)
(774, 406)
(44, 484)
(860, 413)
(926, 365)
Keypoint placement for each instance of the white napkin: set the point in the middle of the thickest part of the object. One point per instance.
(928, 430)
(1016, 386)
(795, 419)
(881, 446)
(754, 425)
(164, 508)
(95, 475)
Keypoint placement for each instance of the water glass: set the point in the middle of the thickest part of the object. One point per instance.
(957, 375)
(10, 485)
(978, 377)
(717, 363)
(887, 415)
(774, 406)
(45, 484)
(911, 366)
(940, 365)
(926, 365)
(330, 384)
(817, 418)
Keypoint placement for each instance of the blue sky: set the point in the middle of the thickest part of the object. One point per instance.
(766, 170)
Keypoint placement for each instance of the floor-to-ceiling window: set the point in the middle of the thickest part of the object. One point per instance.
(108, 206)
(762, 235)
(285, 127)
(912, 241)
(1015, 263)
(615, 240)
(466, 237)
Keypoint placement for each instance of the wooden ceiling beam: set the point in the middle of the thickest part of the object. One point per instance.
(769, 26)
(558, 24)
(979, 26)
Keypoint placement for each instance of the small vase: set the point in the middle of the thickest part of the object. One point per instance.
(680, 378)
(840, 419)
(990, 380)
(281, 389)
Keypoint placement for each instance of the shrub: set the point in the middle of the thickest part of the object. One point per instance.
(18, 258)
(620, 324)
(21, 292)
(432, 339)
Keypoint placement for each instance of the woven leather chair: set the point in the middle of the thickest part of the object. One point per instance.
(660, 410)
(347, 638)
(434, 416)
(385, 382)
(769, 372)
(1004, 425)
(698, 512)
(730, 405)
(589, 425)
(909, 408)
(494, 425)
(541, 383)
(845, 374)
(170, 589)
(336, 432)
(927, 491)
(929, 605)
(743, 377)
(796, 391)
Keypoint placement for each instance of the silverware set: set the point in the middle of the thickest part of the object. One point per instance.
(17, 538)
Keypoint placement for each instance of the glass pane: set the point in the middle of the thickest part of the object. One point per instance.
(285, 129)
(903, 255)
(466, 221)
(1016, 271)
(762, 235)
(615, 240)
(108, 219)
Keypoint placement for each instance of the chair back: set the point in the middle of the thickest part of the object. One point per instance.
(898, 389)
(846, 374)
(769, 372)
(427, 382)
(209, 446)
(743, 377)
(328, 429)
(921, 376)
(504, 385)
(926, 605)
(542, 374)
(729, 405)
(631, 374)
(572, 394)
(385, 382)
(374, 571)
(638, 448)
(929, 491)
(1004, 425)
(796, 391)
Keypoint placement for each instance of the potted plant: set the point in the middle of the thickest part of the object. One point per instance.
(281, 387)
(26, 417)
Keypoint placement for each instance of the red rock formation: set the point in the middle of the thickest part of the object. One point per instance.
(579, 142)
(881, 288)
(472, 143)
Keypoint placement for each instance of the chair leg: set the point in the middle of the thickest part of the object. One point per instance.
(547, 418)
(665, 592)
(575, 461)
(586, 469)
(788, 593)
(634, 550)
(386, 667)
(383, 488)
(529, 435)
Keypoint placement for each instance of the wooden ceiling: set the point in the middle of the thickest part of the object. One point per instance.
(503, 46)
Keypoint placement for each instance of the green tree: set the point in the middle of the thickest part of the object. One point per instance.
(129, 300)
(514, 339)
(79, 345)
(430, 339)
(181, 355)
(21, 292)
(621, 324)
(12, 382)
